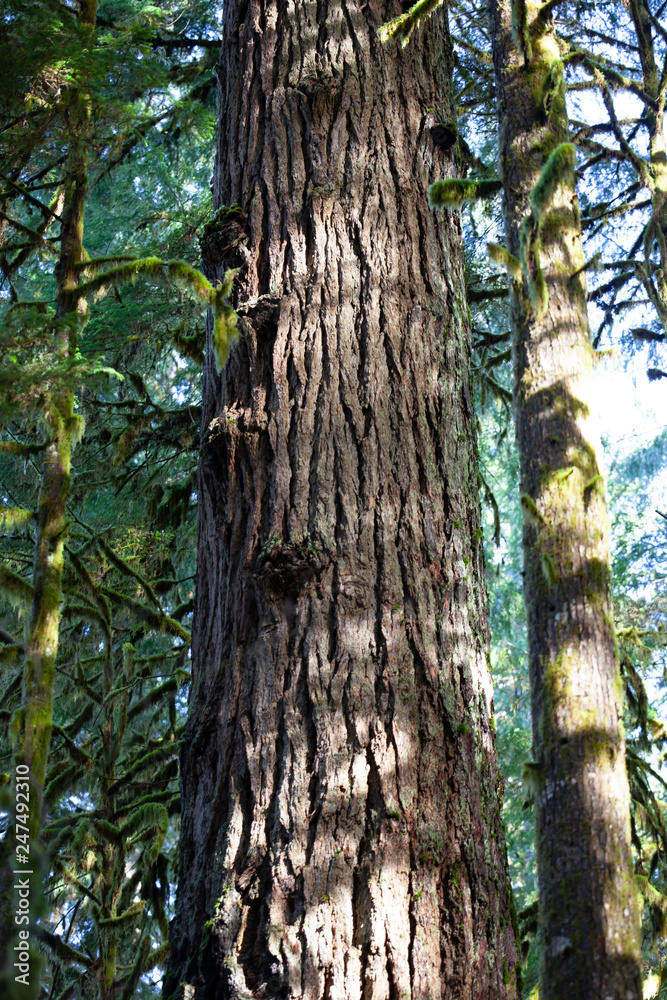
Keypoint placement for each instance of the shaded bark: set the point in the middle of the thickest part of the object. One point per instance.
(341, 834)
(589, 910)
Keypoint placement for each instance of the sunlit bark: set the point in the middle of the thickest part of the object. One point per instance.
(589, 911)
(341, 834)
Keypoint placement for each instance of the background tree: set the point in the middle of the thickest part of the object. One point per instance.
(590, 939)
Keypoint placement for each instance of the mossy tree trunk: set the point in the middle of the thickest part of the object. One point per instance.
(341, 834)
(62, 427)
(589, 909)
(32, 725)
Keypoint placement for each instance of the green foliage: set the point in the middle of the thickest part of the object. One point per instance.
(121, 668)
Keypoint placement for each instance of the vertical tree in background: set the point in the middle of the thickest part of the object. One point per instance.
(589, 908)
(63, 429)
(341, 832)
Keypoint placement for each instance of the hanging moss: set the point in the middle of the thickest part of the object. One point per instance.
(455, 192)
(115, 923)
(12, 518)
(63, 950)
(181, 274)
(10, 654)
(557, 171)
(549, 571)
(16, 448)
(530, 512)
(127, 570)
(141, 964)
(499, 255)
(62, 778)
(152, 821)
(538, 293)
(225, 320)
(553, 88)
(75, 426)
(18, 591)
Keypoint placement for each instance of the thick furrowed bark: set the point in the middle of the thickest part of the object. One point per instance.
(341, 833)
(589, 910)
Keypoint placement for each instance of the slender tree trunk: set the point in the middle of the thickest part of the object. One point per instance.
(341, 835)
(62, 427)
(589, 910)
(34, 720)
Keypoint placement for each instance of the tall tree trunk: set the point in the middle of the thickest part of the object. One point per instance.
(589, 911)
(34, 720)
(341, 835)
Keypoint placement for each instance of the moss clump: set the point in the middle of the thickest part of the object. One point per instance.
(499, 255)
(531, 514)
(14, 517)
(558, 170)
(455, 192)
(549, 571)
(553, 88)
(538, 293)
(19, 592)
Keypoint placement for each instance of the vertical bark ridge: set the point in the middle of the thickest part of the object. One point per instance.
(341, 835)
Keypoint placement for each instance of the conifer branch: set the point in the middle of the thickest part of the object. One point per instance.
(91, 263)
(124, 567)
(16, 448)
(60, 948)
(77, 754)
(60, 779)
(142, 957)
(35, 238)
(71, 878)
(613, 76)
(400, 28)
(14, 517)
(35, 202)
(456, 191)
(114, 923)
(499, 255)
(17, 590)
(637, 162)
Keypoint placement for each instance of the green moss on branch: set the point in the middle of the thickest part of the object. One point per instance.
(455, 192)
